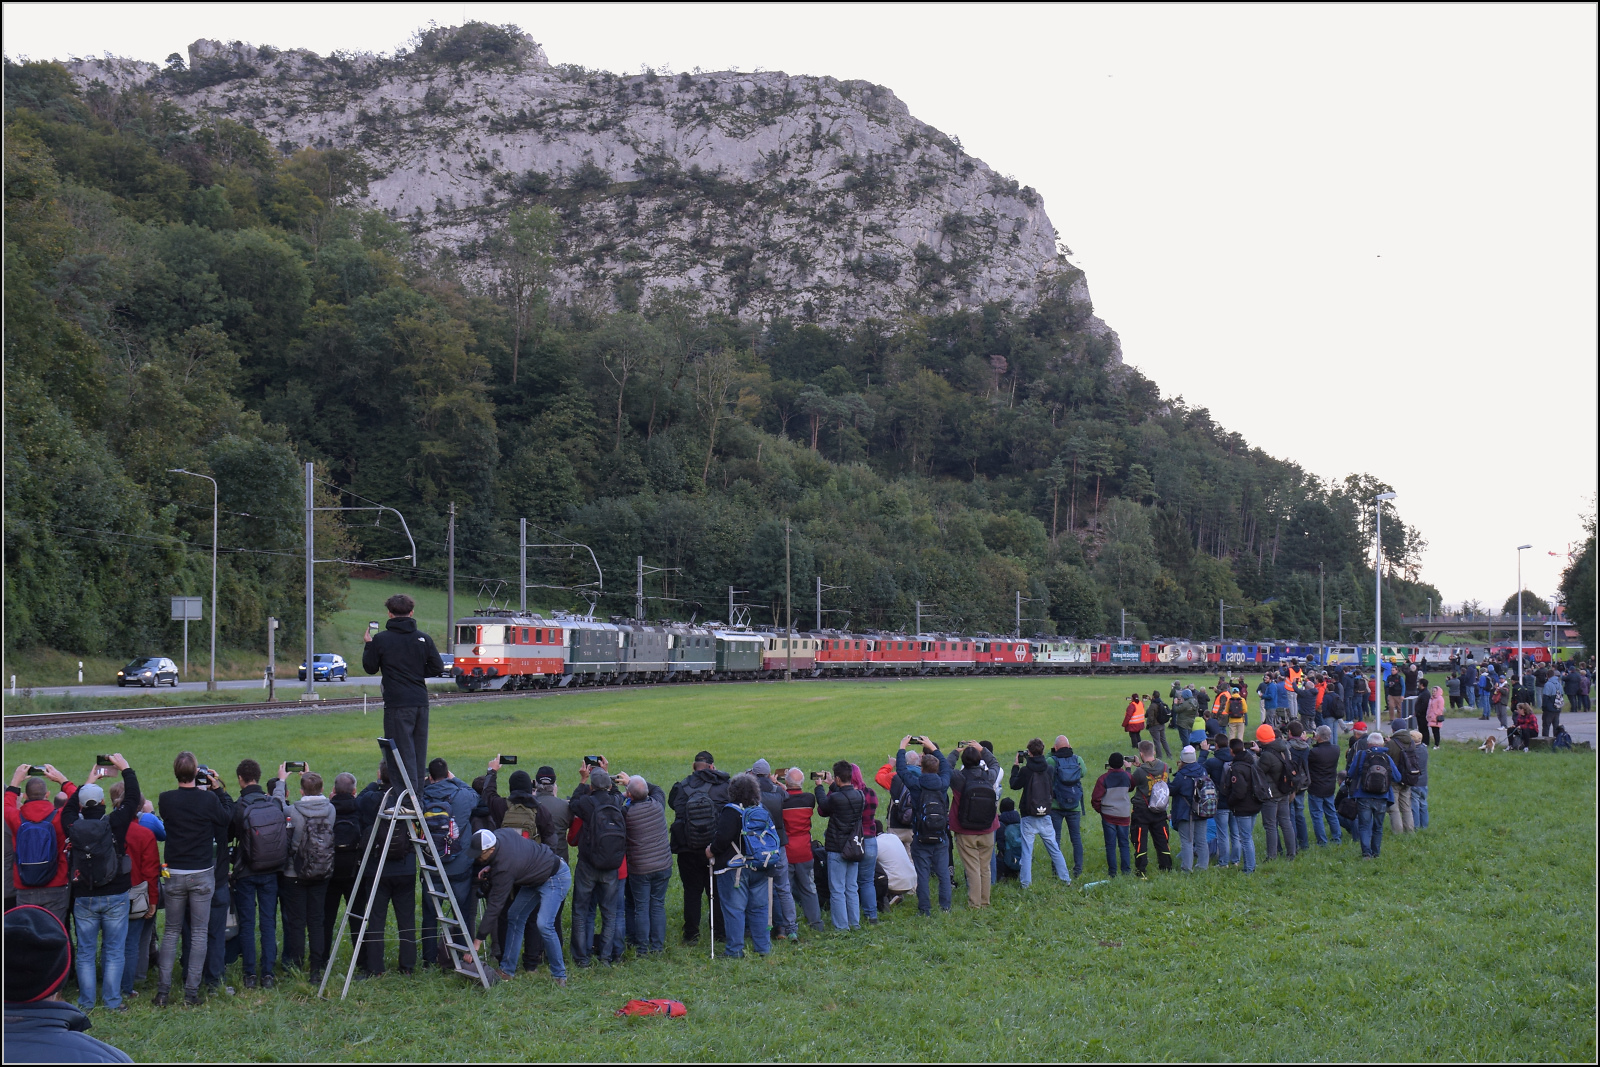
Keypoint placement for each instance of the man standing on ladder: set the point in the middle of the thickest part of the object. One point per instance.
(407, 657)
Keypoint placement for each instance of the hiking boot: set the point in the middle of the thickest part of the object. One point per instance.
(250, 981)
(562, 982)
(160, 1000)
(268, 982)
(191, 1000)
(503, 976)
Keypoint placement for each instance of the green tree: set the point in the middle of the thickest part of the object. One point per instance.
(1578, 588)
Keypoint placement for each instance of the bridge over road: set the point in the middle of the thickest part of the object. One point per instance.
(1491, 624)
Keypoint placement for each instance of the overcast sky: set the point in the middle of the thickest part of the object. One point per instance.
(1363, 237)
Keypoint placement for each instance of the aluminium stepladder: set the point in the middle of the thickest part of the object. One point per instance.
(397, 808)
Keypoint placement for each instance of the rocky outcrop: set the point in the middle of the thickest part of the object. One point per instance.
(759, 193)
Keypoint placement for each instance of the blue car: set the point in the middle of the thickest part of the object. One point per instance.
(328, 667)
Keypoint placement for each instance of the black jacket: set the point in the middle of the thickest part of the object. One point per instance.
(1323, 761)
(197, 823)
(1245, 803)
(1274, 759)
(710, 780)
(517, 862)
(1332, 703)
(407, 658)
(1022, 775)
(119, 818)
(730, 825)
(345, 864)
(368, 803)
(237, 828)
(843, 807)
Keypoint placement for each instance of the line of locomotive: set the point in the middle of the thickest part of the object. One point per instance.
(508, 650)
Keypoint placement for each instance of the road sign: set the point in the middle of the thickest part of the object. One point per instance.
(185, 608)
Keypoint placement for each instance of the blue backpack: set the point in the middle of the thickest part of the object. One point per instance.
(37, 857)
(1068, 785)
(1011, 846)
(762, 851)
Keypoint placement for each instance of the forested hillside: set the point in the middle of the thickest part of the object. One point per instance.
(181, 294)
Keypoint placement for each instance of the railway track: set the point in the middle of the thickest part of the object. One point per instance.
(62, 723)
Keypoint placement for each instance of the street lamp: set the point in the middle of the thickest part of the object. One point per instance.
(1519, 613)
(1377, 619)
(211, 682)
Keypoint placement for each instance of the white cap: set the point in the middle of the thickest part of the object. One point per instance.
(486, 840)
(91, 794)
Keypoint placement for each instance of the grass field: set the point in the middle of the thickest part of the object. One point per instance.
(1473, 940)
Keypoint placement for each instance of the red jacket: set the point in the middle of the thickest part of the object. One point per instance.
(572, 839)
(38, 810)
(798, 808)
(1133, 718)
(146, 860)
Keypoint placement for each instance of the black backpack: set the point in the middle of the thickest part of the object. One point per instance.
(699, 819)
(903, 812)
(979, 806)
(94, 861)
(264, 841)
(603, 842)
(1345, 802)
(1410, 766)
(1036, 796)
(1375, 776)
(931, 816)
(1299, 775)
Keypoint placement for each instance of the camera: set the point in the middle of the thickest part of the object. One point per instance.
(295, 766)
(202, 776)
(817, 776)
(104, 761)
(594, 761)
(508, 761)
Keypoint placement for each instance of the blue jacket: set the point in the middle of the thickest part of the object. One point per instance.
(916, 778)
(152, 822)
(1183, 789)
(52, 1031)
(1358, 767)
(461, 799)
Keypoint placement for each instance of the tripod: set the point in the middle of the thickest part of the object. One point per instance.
(405, 810)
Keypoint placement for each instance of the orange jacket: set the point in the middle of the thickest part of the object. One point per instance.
(1133, 718)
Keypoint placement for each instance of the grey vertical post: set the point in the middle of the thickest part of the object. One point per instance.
(450, 583)
(730, 605)
(522, 566)
(819, 603)
(272, 658)
(638, 588)
(1019, 613)
(311, 620)
(788, 606)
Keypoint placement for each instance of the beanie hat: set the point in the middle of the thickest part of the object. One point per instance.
(91, 794)
(1115, 761)
(703, 757)
(761, 767)
(38, 957)
(1265, 733)
(520, 782)
(546, 776)
(1008, 804)
(1187, 756)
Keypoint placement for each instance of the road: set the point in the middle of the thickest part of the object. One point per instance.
(287, 687)
(1580, 724)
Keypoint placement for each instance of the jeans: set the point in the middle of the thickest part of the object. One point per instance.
(249, 891)
(647, 899)
(781, 907)
(803, 887)
(463, 903)
(1072, 820)
(1039, 826)
(1297, 806)
(407, 727)
(1226, 853)
(303, 903)
(844, 906)
(1324, 820)
(743, 893)
(1276, 820)
(1419, 806)
(185, 895)
(133, 949)
(1369, 825)
(1244, 841)
(545, 901)
(932, 861)
(591, 888)
(1117, 842)
(866, 871)
(1483, 706)
(95, 917)
(1192, 850)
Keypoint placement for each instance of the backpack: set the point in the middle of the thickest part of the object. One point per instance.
(37, 856)
(1160, 794)
(1299, 776)
(264, 843)
(1345, 802)
(604, 840)
(94, 861)
(1068, 786)
(1203, 802)
(1562, 741)
(1236, 707)
(903, 813)
(1410, 765)
(1375, 775)
(762, 850)
(931, 816)
(1258, 782)
(313, 848)
(346, 832)
(1159, 715)
(523, 818)
(979, 806)
(699, 819)
(443, 829)
(1011, 846)
(1035, 797)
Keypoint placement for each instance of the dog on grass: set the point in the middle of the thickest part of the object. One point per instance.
(1487, 746)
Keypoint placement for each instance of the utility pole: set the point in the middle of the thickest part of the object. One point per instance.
(638, 588)
(730, 605)
(819, 603)
(1377, 599)
(1222, 627)
(1019, 613)
(272, 659)
(1322, 608)
(450, 583)
(1519, 611)
(522, 566)
(1341, 624)
(918, 631)
(311, 619)
(211, 682)
(1124, 624)
(788, 607)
